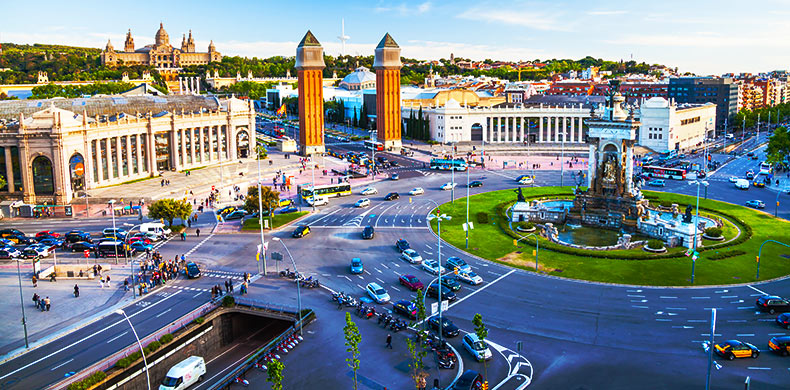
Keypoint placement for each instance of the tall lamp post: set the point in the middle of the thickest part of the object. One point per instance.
(114, 231)
(468, 227)
(760, 253)
(131, 261)
(139, 344)
(537, 246)
(298, 290)
(22, 302)
(699, 183)
(260, 214)
(439, 217)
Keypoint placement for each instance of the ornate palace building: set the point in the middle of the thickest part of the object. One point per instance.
(53, 150)
(161, 54)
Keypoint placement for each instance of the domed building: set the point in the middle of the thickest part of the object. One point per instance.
(161, 54)
(360, 78)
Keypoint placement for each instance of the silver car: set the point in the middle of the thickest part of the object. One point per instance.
(478, 348)
(411, 256)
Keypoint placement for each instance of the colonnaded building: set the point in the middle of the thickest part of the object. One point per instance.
(161, 54)
(52, 150)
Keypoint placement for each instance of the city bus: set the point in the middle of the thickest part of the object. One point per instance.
(765, 168)
(446, 165)
(665, 173)
(373, 144)
(668, 155)
(327, 190)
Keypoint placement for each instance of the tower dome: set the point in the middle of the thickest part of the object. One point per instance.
(161, 36)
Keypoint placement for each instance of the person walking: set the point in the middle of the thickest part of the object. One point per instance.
(47, 303)
(36, 298)
(35, 281)
(126, 285)
(107, 280)
(230, 283)
(389, 341)
(101, 282)
(197, 232)
(76, 291)
(227, 286)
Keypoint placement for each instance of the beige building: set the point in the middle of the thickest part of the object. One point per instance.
(161, 54)
(53, 150)
(667, 125)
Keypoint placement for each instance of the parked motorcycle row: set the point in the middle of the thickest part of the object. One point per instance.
(344, 299)
(299, 278)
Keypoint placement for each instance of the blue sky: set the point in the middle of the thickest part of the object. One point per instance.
(701, 36)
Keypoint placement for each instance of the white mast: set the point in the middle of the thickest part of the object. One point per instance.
(343, 37)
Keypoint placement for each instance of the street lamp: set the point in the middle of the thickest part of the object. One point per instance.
(131, 261)
(114, 231)
(22, 301)
(760, 253)
(298, 290)
(145, 362)
(537, 246)
(260, 212)
(710, 345)
(699, 183)
(776, 208)
(468, 227)
(439, 217)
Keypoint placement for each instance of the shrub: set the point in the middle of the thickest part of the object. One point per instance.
(86, 383)
(166, 338)
(199, 320)
(152, 347)
(482, 217)
(726, 254)
(127, 361)
(228, 301)
(665, 203)
(526, 225)
(713, 232)
(655, 244)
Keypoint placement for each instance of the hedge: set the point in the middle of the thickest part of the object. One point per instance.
(726, 254)
(228, 301)
(149, 349)
(655, 244)
(713, 232)
(86, 383)
(482, 217)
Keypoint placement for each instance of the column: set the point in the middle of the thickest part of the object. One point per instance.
(118, 159)
(629, 168)
(201, 148)
(210, 130)
(556, 129)
(9, 169)
(565, 128)
(99, 165)
(502, 129)
(486, 128)
(138, 151)
(193, 145)
(591, 164)
(151, 152)
(573, 129)
(521, 131)
(540, 129)
(129, 168)
(183, 147)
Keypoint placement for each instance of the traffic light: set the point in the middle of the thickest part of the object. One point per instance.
(758, 258)
(485, 385)
(455, 271)
(515, 242)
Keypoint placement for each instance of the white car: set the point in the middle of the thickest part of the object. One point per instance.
(377, 293)
(432, 266)
(369, 191)
(42, 250)
(417, 191)
(317, 201)
(469, 277)
(364, 202)
(733, 179)
(411, 256)
(448, 186)
(526, 180)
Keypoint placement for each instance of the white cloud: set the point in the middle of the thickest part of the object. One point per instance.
(404, 9)
(534, 20)
(606, 13)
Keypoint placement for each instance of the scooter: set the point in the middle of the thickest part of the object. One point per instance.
(446, 358)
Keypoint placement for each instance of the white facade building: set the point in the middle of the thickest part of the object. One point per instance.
(670, 126)
(505, 124)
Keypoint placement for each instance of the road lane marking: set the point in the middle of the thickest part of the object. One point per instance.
(88, 337)
(700, 297)
(635, 296)
(379, 279)
(632, 291)
(721, 291)
(776, 334)
(62, 364)
(697, 320)
(738, 301)
(736, 320)
(682, 327)
(667, 297)
(163, 313)
(117, 337)
(639, 307)
(758, 290)
(481, 289)
(745, 334)
(744, 307)
(676, 308)
(663, 319)
(347, 278)
(760, 368)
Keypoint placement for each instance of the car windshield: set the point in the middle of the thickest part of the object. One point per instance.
(356, 262)
(380, 291)
(471, 274)
(170, 381)
(479, 346)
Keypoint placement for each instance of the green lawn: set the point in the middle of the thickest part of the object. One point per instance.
(490, 241)
(277, 221)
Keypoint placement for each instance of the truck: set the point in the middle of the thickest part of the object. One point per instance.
(742, 184)
(184, 374)
(156, 228)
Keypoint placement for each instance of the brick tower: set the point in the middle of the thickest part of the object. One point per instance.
(387, 65)
(309, 67)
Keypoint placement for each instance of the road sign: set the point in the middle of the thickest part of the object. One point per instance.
(445, 305)
(86, 253)
(434, 308)
(79, 169)
(277, 256)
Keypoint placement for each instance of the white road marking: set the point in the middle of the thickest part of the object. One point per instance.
(379, 279)
(163, 313)
(721, 291)
(744, 307)
(745, 334)
(736, 320)
(663, 319)
(635, 296)
(700, 297)
(117, 337)
(759, 291)
(682, 327)
(738, 301)
(666, 297)
(676, 308)
(729, 296)
(347, 278)
(62, 364)
(759, 368)
(631, 291)
(776, 334)
(697, 320)
(639, 307)
(395, 288)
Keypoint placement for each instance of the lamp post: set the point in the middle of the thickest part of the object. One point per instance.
(22, 302)
(699, 183)
(710, 345)
(467, 207)
(562, 159)
(439, 217)
(776, 207)
(298, 290)
(537, 246)
(131, 261)
(114, 231)
(260, 214)
(760, 253)
(139, 344)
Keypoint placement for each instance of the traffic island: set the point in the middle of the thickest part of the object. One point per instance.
(731, 260)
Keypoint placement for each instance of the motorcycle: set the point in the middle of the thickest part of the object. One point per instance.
(287, 273)
(446, 358)
(339, 296)
(369, 312)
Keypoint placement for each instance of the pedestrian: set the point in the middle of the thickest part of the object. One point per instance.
(231, 285)
(140, 289)
(107, 280)
(197, 232)
(98, 267)
(126, 284)
(227, 286)
(36, 298)
(101, 282)
(389, 341)
(189, 222)
(76, 291)
(183, 258)
(95, 271)
(183, 236)
(35, 281)
(47, 303)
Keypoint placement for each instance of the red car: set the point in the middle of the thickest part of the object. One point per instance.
(143, 239)
(45, 233)
(411, 282)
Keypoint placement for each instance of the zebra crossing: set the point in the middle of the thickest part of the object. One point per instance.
(222, 274)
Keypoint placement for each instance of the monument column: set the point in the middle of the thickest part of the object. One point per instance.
(309, 67)
(591, 164)
(387, 65)
(573, 129)
(540, 129)
(9, 169)
(629, 166)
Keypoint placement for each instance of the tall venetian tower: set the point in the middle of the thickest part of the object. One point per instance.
(309, 67)
(387, 65)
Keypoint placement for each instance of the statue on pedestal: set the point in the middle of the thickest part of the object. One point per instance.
(687, 216)
(520, 195)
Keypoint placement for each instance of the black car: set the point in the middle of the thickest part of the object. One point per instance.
(433, 291)
(82, 246)
(392, 196)
(451, 284)
(22, 239)
(448, 328)
(51, 243)
(30, 254)
(368, 232)
(783, 320)
(402, 245)
(301, 231)
(780, 345)
(238, 214)
(192, 270)
(406, 308)
(394, 163)
(78, 236)
(476, 183)
(469, 380)
(773, 304)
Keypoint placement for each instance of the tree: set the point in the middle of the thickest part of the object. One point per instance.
(353, 338)
(170, 209)
(778, 146)
(482, 332)
(269, 200)
(274, 374)
(364, 121)
(2, 181)
(261, 149)
(355, 120)
(417, 350)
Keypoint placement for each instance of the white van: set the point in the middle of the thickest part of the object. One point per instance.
(156, 228)
(317, 201)
(184, 374)
(742, 184)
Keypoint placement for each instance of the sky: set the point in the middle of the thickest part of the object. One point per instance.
(699, 36)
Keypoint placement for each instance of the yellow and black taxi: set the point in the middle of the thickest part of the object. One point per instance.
(732, 349)
(780, 345)
(301, 231)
